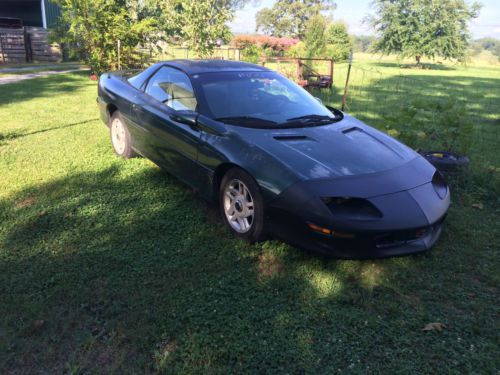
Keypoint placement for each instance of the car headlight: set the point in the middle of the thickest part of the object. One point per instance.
(352, 208)
(439, 184)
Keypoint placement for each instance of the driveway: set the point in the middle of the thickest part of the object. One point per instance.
(21, 77)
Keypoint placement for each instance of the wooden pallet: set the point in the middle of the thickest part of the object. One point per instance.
(13, 46)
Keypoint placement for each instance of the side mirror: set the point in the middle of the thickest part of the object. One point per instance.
(318, 99)
(185, 117)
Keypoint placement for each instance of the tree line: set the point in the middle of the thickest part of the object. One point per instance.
(409, 28)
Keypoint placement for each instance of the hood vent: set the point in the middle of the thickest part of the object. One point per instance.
(291, 137)
(348, 130)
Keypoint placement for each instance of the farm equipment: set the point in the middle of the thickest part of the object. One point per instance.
(304, 71)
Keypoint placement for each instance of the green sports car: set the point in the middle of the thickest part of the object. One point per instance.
(275, 158)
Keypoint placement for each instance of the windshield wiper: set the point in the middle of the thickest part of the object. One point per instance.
(312, 118)
(246, 119)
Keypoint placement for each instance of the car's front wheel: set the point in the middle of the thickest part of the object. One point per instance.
(120, 137)
(241, 205)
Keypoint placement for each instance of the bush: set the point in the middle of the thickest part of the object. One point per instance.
(251, 53)
(432, 125)
(297, 50)
(271, 46)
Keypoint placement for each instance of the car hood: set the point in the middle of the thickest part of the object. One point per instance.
(348, 147)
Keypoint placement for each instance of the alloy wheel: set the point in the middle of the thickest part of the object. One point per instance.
(238, 206)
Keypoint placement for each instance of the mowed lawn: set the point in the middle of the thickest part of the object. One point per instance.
(111, 266)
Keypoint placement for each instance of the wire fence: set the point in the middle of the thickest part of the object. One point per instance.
(408, 99)
(480, 96)
(384, 97)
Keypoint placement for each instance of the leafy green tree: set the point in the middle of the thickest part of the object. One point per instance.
(420, 28)
(327, 39)
(315, 36)
(288, 18)
(338, 41)
(94, 28)
(200, 23)
(487, 44)
(363, 43)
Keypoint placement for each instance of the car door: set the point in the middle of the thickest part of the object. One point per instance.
(169, 143)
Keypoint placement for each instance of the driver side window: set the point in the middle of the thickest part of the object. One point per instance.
(173, 88)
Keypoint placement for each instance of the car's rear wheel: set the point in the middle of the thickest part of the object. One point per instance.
(241, 205)
(120, 137)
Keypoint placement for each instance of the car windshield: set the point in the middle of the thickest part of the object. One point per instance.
(258, 99)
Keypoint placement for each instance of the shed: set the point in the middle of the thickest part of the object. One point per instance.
(37, 13)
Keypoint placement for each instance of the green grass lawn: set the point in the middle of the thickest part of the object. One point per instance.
(111, 266)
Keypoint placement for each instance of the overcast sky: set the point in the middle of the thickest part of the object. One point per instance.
(353, 12)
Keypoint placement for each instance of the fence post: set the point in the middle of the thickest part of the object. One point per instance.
(331, 73)
(118, 45)
(344, 97)
(1, 47)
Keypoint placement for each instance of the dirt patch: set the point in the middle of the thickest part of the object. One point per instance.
(268, 266)
(25, 202)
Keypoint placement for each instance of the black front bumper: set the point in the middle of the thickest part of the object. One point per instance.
(407, 205)
(363, 245)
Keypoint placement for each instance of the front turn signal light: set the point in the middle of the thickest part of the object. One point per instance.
(329, 232)
(319, 229)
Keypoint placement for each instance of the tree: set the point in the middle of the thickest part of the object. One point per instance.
(288, 18)
(486, 44)
(363, 43)
(338, 41)
(419, 28)
(200, 23)
(326, 39)
(94, 28)
(314, 39)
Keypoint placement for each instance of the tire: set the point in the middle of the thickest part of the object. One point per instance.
(240, 198)
(447, 161)
(120, 137)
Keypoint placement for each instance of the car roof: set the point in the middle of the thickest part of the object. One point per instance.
(206, 66)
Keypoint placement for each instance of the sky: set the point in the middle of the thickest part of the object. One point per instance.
(353, 11)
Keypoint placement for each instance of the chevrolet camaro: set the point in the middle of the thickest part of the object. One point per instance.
(275, 159)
